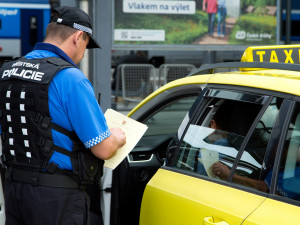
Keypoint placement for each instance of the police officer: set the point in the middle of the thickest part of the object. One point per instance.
(52, 127)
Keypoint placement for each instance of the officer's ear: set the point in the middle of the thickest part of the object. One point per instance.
(77, 36)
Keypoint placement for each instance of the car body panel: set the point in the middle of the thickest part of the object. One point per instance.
(162, 113)
(179, 196)
(276, 80)
(149, 104)
(192, 199)
(176, 195)
(183, 83)
(273, 212)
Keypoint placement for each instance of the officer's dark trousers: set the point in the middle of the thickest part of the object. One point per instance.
(26, 204)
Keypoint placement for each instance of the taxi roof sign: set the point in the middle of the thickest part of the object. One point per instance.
(275, 54)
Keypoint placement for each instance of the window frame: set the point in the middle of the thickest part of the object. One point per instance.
(275, 138)
(290, 107)
(210, 93)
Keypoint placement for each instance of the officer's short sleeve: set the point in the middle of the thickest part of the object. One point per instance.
(73, 105)
(86, 116)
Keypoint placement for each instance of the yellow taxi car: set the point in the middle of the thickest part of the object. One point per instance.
(222, 147)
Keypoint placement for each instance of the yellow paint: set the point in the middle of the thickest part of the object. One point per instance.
(276, 80)
(289, 53)
(273, 212)
(172, 198)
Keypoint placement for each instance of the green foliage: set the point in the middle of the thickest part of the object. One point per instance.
(260, 3)
(257, 3)
(179, 29)
(254, 24)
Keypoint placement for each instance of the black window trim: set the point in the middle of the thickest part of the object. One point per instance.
(210, 90)
(195, 109)
(255, 98)
(285, 109)
(288, 98)
(254, 90)
(203, 101)
(241, 150)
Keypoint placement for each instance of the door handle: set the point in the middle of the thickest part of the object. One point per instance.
(210, 221)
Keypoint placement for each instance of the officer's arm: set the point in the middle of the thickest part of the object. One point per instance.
(109, 146)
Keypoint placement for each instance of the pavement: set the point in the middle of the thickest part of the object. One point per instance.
(215, 40)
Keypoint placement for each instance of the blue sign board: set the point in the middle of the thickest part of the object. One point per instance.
(10, 23)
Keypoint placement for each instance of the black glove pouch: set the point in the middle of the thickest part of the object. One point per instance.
(90, 167)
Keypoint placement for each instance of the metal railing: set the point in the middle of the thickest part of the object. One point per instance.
(135, 81)
(170, 72)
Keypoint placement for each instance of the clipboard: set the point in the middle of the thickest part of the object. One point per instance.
(133, 130)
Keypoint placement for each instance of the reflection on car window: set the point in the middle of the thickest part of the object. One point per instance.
(163, 124)
(288, 180)
(168, 119)
(246, 173)
(211, 144)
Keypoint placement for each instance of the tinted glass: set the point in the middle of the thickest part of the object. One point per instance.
(168, 118)
(249, 171)
(162, 126)
(288, 181)
(213, 141)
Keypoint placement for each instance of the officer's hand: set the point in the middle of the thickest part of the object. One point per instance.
(120, 136)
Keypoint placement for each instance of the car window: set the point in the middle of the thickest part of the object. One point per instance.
(252, 175)
(168, 118)
(162, 126)
(288, 179)
(213, 140)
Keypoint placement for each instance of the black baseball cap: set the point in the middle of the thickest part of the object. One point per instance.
(76, 18)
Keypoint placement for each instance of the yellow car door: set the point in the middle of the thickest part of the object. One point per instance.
(283, 204)
(244, 170)
(177, 199)
(189, 189)
(274, 212)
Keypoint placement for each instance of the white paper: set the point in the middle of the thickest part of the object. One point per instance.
(133, 130)
(195, 137)
(209, 157)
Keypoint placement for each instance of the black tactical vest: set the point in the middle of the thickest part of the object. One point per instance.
(26, 124)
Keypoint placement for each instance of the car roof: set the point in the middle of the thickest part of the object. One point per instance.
(275, 80)
(279, 71)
